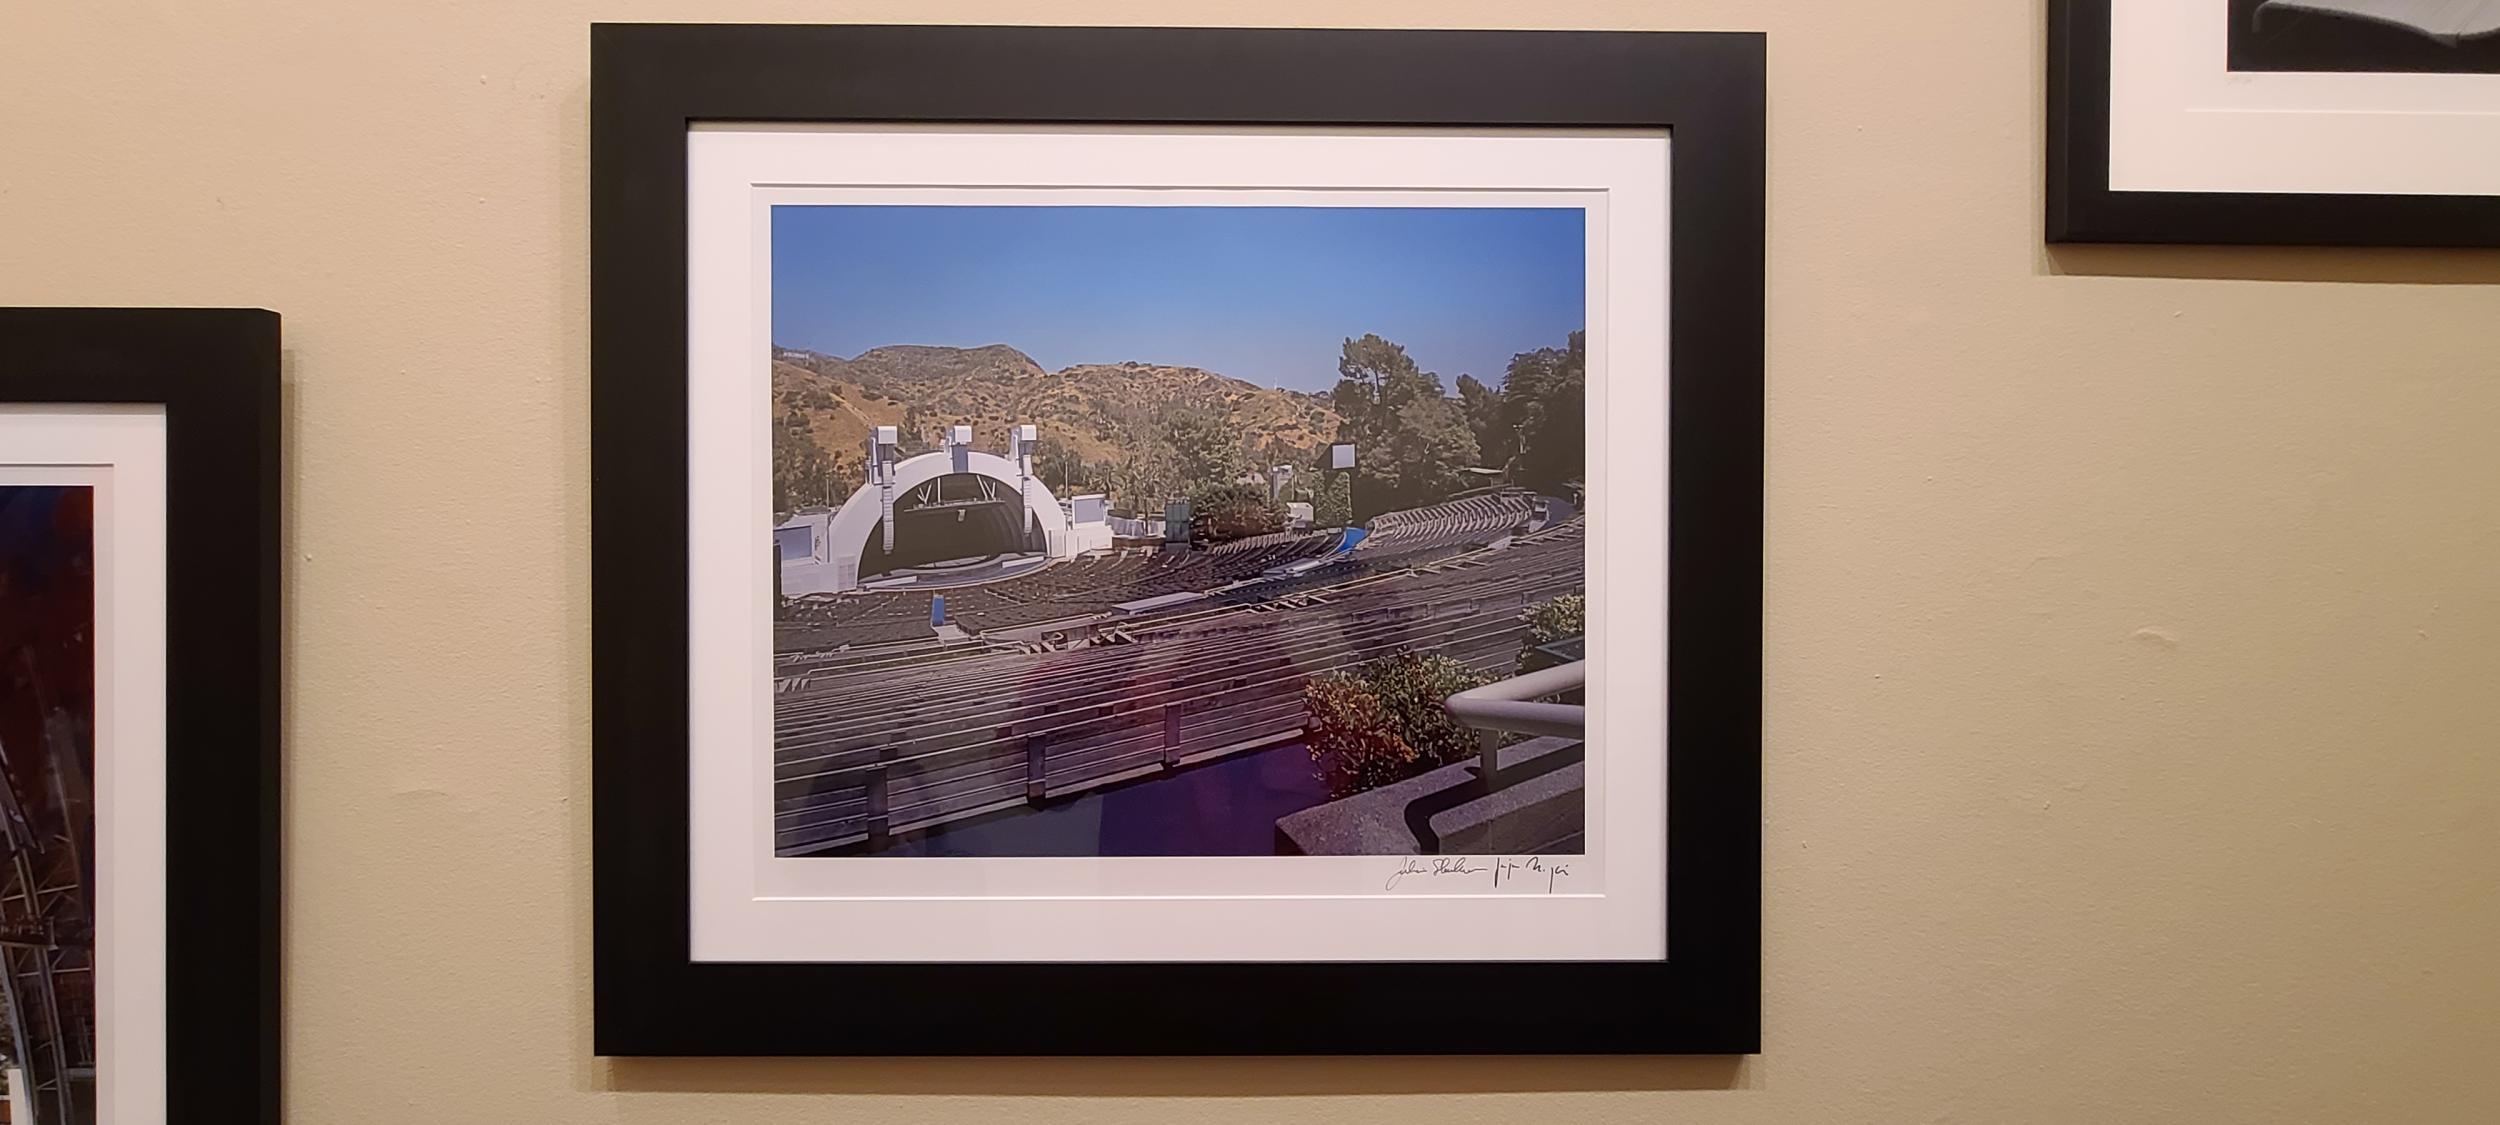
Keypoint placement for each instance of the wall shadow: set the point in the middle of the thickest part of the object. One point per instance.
(572, 172)
(1234, 1077)
(2349, 265)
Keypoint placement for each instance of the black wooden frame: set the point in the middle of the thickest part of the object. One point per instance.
(649, 82)
(2082, 208)
(215, 373)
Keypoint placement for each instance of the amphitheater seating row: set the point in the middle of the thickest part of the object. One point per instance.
(1474, 519)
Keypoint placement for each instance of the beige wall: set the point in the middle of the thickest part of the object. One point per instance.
(2132, 741)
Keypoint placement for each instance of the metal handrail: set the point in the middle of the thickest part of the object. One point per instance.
(1508, 706)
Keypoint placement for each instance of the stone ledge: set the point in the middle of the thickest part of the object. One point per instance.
(1539, 806)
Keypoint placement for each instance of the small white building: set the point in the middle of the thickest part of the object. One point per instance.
(803, 547)
(1089, 523)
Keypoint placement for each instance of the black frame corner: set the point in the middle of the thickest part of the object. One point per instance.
(2081, 208)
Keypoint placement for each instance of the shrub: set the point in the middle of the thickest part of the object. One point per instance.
(1385, 721)
(1413, 689)
(1550, 621)
(1353, 744)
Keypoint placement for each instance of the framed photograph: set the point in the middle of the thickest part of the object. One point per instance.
(1094, 516)
(2291, 122)
(139, 715)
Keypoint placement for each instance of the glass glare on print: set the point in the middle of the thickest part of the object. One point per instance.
(1178, 530)
(47, 769)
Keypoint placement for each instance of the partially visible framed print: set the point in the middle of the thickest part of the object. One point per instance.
(139, 715)
(1149, 541)
(2292, 122)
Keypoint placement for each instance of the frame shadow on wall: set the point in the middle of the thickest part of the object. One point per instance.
(1185, 1076)
(2349, 265)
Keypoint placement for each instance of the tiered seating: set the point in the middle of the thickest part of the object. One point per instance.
(1083, 587)
(1070, 589)
(1244, 558)
(952, 737)
(1472, 520)
(827, 621)
(1272, 539)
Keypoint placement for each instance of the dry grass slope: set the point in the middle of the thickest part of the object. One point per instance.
(1103, 411)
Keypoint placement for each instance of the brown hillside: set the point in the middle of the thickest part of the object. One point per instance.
(1105, 412)
(920, 364)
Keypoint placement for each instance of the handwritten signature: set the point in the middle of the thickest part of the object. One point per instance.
(1505, 871)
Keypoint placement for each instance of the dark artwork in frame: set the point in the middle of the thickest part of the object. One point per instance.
(652, 82)
(2081, 206)
(214, 375)
(47, 728)
(2366, 36)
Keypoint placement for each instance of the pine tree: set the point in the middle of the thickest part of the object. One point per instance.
(1410, 439)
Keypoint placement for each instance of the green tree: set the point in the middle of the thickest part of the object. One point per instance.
(1099, 477)
(1205, 448)
(1223, 512)
(1410, 439)
(1140, 481)
(1545, 402)
(1332, 502)
(1482, 406)
(1060, 467)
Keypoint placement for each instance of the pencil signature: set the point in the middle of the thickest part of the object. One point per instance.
(1503, 872)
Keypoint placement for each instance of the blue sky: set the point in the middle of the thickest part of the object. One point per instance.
(1265, 294)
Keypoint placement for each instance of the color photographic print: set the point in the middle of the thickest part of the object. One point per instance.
(1173, 530)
